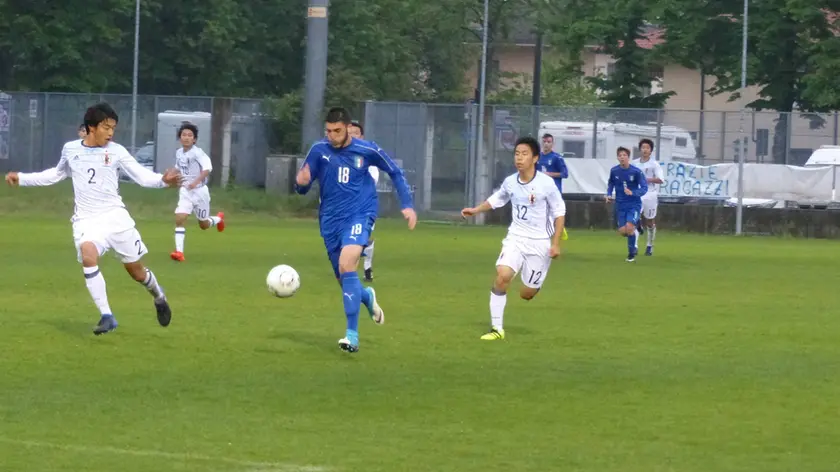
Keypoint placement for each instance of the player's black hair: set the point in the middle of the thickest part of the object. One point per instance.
(99, 113)
(358, 125)
(82, 126)
(622, 148)
(646, 141)
(548, 135)
(189, 126)
(531, 143)
(338, 115)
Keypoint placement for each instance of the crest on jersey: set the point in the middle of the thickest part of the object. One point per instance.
(632, 178)
(532, 198)
(357, 161)
(107, 159)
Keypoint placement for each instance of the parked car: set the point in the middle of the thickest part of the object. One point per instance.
(145, 156)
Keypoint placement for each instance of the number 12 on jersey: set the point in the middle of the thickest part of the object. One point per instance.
(521, 212)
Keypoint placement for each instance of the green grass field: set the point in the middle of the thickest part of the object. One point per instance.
(718, 354)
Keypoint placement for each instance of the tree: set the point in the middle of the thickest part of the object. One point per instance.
(791, 50)
(615, 29)
(558, 88)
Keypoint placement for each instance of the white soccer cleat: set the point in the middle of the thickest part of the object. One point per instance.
(376, 312)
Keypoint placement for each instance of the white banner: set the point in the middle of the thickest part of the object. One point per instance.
(719, 181)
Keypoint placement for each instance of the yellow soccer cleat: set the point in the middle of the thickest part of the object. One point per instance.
(565, 235)
(493, 335)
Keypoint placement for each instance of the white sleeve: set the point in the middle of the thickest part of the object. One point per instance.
(204, 160)
(47, 177)
(500, 197)
(556, 203)
(140, 174)
(374, 172)
(658, 173)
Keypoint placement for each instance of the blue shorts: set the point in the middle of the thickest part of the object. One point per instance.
(356, 231)
(623, 217)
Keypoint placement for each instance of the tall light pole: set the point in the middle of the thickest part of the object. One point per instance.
(135, 77)
(742, 155)
(482, 88)
(315, 81)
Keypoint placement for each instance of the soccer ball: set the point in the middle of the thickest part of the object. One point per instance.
(283, 281)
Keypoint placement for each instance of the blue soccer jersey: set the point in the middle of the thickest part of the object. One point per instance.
(627, 207)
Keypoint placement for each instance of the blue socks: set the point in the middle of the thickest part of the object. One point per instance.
(631, 242)
(351, 288)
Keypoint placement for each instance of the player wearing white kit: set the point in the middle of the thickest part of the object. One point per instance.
(356, 130)
(650, 200)
(533, 238)
(100, 220)
(194, 196)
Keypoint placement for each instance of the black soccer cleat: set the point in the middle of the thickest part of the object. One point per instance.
(368, 275)
(164, 313)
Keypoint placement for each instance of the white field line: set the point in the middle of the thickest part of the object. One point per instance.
(252, 465)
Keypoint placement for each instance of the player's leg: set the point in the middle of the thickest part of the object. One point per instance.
(182, 212)
(202, 211)
(353, 240)
(89, 250)
(509, 261)
(631, 229)
(368, 254)
(130, 248)
(649, 209)
(534, 271)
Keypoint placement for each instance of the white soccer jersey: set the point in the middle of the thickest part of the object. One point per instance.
(652, 170)
(191, 163)
(536, 204)
(95, 174)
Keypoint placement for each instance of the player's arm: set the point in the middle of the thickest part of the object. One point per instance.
(557, 209)
(383, 161)
(610, 186)
(308, 172)
(658, 175)
(499, 199)
(145, 177)
(46, 177)
(643, 186)
(206, 167)
(560, 163)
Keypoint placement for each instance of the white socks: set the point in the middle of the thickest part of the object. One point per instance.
(152, 286)
(214, 220)
(180, 234)
(497, 310)
(96, 286)
(651, 235)
(368, 253)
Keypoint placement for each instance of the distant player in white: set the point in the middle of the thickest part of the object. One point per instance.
(100, 220)
(356, 130)
(533, 238)
(193, 197)
(650, 200)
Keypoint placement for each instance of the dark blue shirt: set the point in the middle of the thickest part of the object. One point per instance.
(631, 178)
(553, 162)
(347, 189)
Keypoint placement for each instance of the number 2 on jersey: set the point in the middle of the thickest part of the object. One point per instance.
(343, 175)
(522, 212)
(92, 173)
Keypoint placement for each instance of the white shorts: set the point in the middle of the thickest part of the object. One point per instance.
(649, 204)
(196, 201)
(126, 243)
(528, 256)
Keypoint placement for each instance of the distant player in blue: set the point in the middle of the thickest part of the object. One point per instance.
(553, 165)
(348, 210)
(629, 183)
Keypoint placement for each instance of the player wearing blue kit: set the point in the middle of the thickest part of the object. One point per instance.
(348, 210)
(553, 165)
(630, 184)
